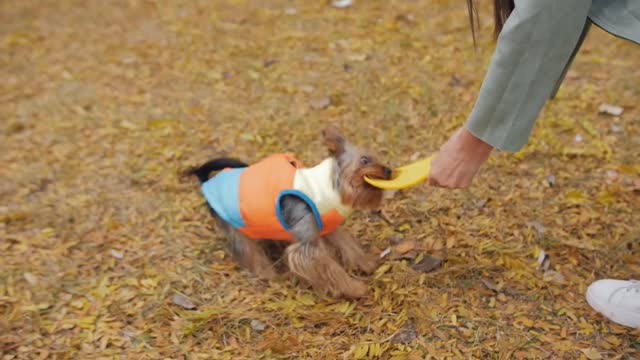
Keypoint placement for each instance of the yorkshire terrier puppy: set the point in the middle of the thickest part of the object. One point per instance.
(278, 199)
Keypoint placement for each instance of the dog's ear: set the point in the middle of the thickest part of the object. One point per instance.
(333, 140)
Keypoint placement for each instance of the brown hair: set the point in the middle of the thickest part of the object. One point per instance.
(501, 11)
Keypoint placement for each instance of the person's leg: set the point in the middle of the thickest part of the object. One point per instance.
(617, 300)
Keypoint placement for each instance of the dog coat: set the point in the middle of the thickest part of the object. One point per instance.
(249, 198)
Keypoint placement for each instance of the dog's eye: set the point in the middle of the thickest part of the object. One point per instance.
(365, 160)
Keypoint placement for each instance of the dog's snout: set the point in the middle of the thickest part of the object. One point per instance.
(387, 173)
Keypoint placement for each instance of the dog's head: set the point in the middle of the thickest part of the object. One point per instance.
(354, 163)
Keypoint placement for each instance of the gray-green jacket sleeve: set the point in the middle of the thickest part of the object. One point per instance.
(535, 44)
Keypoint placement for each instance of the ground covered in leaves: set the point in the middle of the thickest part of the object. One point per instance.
(107, 253)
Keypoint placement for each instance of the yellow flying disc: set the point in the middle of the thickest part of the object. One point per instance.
(405, 176)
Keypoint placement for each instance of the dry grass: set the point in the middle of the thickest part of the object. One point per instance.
(102, 103)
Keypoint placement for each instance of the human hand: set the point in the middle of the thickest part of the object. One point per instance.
(458, 160)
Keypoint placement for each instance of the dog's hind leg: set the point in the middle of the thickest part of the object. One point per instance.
(310, 258)
(249, 254)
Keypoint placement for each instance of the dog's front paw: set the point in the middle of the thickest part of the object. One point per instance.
(368, 263)
(356, 289)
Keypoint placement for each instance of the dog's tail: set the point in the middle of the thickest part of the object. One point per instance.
(202, 172)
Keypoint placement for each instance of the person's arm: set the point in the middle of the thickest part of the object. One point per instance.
(535, 44)
(532, 50)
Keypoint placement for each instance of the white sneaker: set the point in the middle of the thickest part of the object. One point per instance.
(618, 300)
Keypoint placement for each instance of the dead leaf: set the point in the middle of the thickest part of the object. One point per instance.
(591, 353)
(575, 197)
(341, 4)
(183, 301)
(490, 284)
(395, 239)
(615, 128)
(405, 18)
(125, 124)
(382, 214)
(451, 242)
(609, 109)
(405, 335)
(455, 81)
(269, 62)
(320, 103)
(524, 321)
(160, 123)
(389, 194)
(404, 246)
(553, 276)
(30, 278)
(563, 332)
(406, 256)
(551, 180)
(544, 260)
(427, 264)
(492, 302)
(481, 203)
(357, 57)
(606, 197)
(385, 252)
(258, 325)
(441, 334)
(232, 341)
(381, 270)
(148, 283)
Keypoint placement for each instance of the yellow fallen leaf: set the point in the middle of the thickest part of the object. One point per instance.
(78, 303)
(87, 322)
(103, 288)
(36, 307)
(524, 321)
(253, 74)
(606, 197)
(613, 340)
(361, 351)
(148, 283)
(627, 169)
(572, 316)
(382, 270)
(591, 353)
(590, 129)
(444, 299)
(160, 123)
(357, 57)
(575, 196)
(128, 125)
(131, 281)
